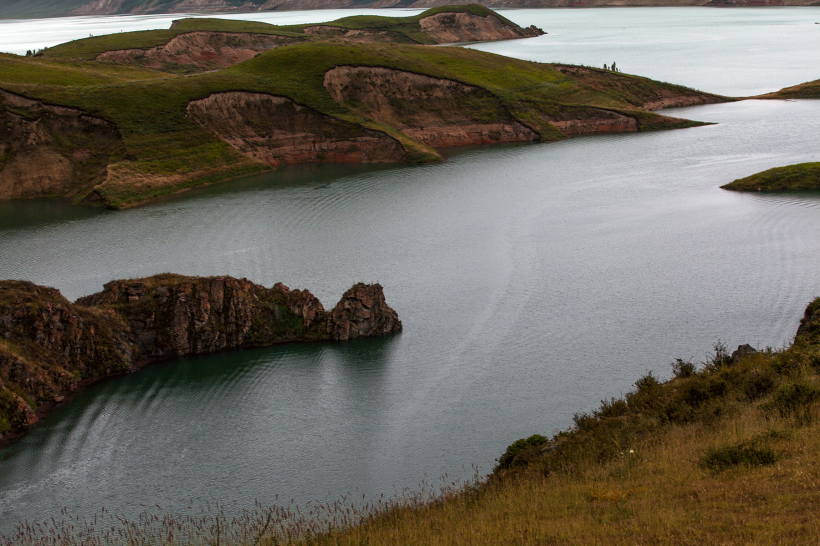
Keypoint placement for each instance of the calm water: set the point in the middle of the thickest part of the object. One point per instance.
(532, 280)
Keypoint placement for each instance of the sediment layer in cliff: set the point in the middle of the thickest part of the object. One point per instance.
(52, 346)
(278, 131)
(436, 111)
(50, 150)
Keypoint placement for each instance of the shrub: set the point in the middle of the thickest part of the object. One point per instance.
(518, 446)
(758, 383)
(793, 399)
(741, 454)
(683, 368)
(647, 382)
(720, 358)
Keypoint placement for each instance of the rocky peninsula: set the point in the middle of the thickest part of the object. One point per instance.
(51, 347)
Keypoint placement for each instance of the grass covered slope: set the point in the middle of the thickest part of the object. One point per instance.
(800, 177)
(809, 90)
(167, 151)
(142, 94)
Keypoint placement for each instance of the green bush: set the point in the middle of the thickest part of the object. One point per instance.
(793, 399)
(506, 460)
(683, 368)
(747, 454)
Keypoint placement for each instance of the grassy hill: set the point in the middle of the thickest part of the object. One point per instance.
(800, 177)
(167, 151)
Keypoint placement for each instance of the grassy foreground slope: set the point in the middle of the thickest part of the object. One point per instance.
(799, 177)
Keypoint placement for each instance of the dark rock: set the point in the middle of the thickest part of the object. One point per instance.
(362, 312)
(742, 352)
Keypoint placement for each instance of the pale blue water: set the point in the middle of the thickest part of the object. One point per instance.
(532, 281)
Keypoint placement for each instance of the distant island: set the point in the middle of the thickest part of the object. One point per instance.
(121, 119)
(12, 9)
(51, 347)
(800, 177)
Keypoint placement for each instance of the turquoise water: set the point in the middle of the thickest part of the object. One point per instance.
(532, 280)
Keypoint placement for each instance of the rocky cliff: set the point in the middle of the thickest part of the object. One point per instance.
(49, 346)
(279, 131)
(435, 111)
(50, 150)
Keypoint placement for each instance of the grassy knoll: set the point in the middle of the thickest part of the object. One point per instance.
(724, 452)
(800, 177)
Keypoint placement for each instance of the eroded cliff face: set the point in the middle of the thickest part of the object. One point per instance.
(52, 345)
(51, 150)
(437, 112)
(197, 51)
(351, 35)
(447, 28)
(584, 120)
(278, 131)
(49, 345)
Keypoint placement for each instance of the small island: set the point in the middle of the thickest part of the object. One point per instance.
(52, 347)
(800, 177)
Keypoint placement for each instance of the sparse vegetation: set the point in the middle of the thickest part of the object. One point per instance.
(800, 177)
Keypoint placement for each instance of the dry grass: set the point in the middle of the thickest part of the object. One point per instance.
(656, 493)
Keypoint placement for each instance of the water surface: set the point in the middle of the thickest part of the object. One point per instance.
(532, 281)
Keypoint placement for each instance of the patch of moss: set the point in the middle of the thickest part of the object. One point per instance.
(799, 177)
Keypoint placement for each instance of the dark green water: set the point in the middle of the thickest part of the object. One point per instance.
(532, 281)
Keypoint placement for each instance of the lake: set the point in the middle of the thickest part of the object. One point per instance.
(533, 281)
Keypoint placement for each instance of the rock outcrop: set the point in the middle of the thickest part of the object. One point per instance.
(449, 27)
(51, 346)
(279, 131)
(200, 50)
(435, 111)
(50, 150)
(362, 312)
